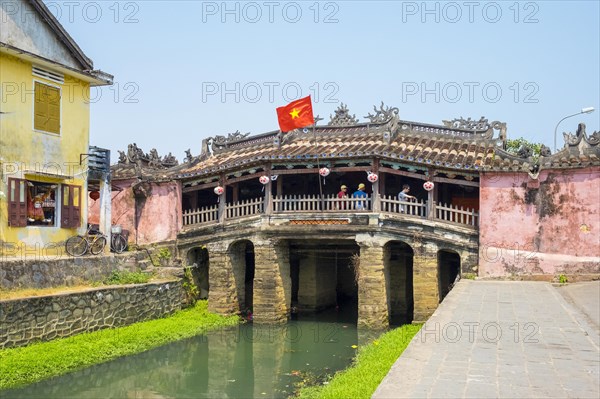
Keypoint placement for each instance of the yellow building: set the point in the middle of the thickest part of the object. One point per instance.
(44, 131)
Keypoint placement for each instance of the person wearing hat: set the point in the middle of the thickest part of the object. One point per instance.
(343, 194)
(360, 193)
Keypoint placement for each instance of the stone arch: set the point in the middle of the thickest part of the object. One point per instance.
(449, 268)
(398, 269)
(242, 260)
(198, 259)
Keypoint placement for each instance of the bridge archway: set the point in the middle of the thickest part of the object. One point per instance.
(198, 257)
(241, 256)
(398, 269)
(448, 270)
(323, 279)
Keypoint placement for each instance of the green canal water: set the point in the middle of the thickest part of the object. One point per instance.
(246, 361)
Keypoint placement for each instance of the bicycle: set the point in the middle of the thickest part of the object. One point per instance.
(117, 241)
(93, 241)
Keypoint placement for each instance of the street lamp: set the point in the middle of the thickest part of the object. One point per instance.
(586, 110)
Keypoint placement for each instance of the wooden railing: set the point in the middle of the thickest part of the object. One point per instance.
(249, 207)
(391, 204)
(208, 214)
(454, 214)
(314, 203)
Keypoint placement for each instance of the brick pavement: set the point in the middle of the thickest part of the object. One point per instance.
(503, 339)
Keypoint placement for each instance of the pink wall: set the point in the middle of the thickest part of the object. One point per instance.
(545, 226)
(160, 216)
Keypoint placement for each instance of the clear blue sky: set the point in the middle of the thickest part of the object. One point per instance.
(187, 70)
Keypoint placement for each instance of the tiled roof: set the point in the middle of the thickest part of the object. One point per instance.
(458, 145)
(429, 145)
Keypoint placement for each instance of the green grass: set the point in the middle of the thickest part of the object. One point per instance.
(125, 277)
(370, 367)
(25, 365)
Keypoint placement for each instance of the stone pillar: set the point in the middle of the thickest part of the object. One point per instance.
(425, 281)
(372, 295)
(469, 261)
(272, 281)
(222, 297)
(317, 283)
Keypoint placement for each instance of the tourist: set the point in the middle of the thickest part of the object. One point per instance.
(342, 195)
(403, 196)
(360, 193)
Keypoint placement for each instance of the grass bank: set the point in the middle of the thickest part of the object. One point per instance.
(369, 368)
(25, 365)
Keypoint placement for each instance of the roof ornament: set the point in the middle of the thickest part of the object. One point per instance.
(342, 117)
(188, 156)
(383, 114)
(231, 137)
(468, 124)
(574, 139)
(545, 151)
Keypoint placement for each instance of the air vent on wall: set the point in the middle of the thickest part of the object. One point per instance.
(50, 75)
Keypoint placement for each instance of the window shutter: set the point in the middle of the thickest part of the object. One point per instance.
(70, 207)
(17, 203)
(76, 206)
(46, 108)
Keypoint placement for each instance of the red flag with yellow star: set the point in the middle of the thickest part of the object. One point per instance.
(295, 115)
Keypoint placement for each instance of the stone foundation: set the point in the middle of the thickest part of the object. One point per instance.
(64, 271)
(23, 321)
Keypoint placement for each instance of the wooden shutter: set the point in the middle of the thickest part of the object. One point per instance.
(17, 202)
(46, 108)
(70, 207)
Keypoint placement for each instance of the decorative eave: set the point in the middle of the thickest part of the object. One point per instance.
(580, 150)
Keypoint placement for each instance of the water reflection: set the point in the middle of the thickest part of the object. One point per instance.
(242, 362)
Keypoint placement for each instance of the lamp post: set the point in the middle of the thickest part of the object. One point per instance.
(586, 110)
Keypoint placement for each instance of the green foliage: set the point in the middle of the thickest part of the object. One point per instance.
(164, 253)
(563, 279)
(190, 287)
(512, 146)
(469, 276)
(119, 277)
(370, 367)
(161, 257)
(25, 365)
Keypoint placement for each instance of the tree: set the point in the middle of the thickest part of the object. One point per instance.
(513, 147)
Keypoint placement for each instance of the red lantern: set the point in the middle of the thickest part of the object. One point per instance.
(264, 179)
(324, 172)
(428, 185)
(219, 190)
(94, 195)
(372, 177)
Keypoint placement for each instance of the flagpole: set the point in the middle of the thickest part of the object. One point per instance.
(318, 164)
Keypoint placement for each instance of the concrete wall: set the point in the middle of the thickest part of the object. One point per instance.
(159, 216)
(540, 227)
(35, 155)
(23, 321)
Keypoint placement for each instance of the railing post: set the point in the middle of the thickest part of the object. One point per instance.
(267, 206)
(431, 203)
(431, 210)
(375, 198)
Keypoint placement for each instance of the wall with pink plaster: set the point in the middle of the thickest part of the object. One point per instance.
(546, 226)
(159, 215)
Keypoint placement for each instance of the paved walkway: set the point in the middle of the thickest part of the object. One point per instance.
(493, 339)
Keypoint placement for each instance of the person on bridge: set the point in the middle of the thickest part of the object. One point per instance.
(360, 193)
(343, 194)
(403, 196)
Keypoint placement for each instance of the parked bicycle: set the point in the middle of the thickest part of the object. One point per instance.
(118, 243)
(93, 241)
